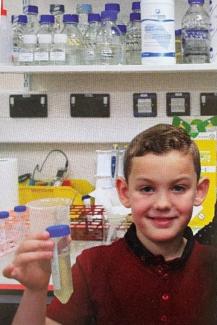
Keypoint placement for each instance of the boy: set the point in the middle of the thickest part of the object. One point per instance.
(156, 274)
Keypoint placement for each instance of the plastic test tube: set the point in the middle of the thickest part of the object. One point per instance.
(3, 236)
(61, 264)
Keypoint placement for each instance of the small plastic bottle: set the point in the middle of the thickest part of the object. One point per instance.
(133, 40)
(45, 40)
(57, 11)
(83, 10)
(196, 33)
(75, 44)
(90, 38)
(3, 234)
(61, 264)
(20, 222)
(108, 42)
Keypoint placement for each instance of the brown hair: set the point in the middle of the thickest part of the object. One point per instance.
(161, 139)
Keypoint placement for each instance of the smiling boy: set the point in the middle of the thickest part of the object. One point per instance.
(156, 274)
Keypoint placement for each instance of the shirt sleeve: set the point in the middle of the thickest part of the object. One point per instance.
(79, 309)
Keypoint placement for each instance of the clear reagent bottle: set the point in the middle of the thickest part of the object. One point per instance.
(196, 33)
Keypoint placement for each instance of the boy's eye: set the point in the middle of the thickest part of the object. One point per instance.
(178, 188)
(147, 189)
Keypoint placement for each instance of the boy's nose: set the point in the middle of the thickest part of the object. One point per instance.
(162, 201)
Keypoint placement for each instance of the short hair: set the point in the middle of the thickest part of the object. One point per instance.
(161, 139)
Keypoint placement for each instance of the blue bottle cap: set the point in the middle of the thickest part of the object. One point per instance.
(84, 8)
(135, 16)
(4, 214)
(58, 230)
(136, 5)
(199, 2)
(70, 19)
(112, 6)
(57, 8)
(111, 15)
(93, 17)
(178, 32)
(46, 19)
(22, 19)
(30, 10)
(20, 208)
(123, 29)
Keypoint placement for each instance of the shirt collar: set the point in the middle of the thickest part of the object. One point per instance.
(150, 259)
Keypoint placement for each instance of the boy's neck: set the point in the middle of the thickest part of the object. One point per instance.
(169, 250)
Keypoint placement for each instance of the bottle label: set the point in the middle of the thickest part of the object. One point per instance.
(195, 34)
(60, 38)
(44, 38)
(42, 56)
(26, 57)
(29, 39)
(59, 56)
(158, 30)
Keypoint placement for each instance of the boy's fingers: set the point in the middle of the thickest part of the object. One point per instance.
(8, 271)
(34, 245)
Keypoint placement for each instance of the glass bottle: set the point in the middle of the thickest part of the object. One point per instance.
(75, 45)
(45, 40)
(90, 38)
(108, 42)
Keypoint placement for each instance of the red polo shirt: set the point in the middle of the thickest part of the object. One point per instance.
(124, 284)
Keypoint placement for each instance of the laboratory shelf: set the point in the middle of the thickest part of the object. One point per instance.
(182, 68)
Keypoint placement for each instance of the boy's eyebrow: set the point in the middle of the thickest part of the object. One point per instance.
(178, 179)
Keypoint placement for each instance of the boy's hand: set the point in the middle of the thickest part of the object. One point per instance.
(31, 264)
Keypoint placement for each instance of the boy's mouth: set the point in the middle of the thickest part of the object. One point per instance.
(162, 222)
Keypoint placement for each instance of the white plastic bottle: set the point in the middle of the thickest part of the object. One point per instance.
(45, 40)
(90, 38)
(196, 33)
(108, 40)
(75, 46)
(158, 31)
(61, 264)
(6, 39)
(133, 40)
(83, 10)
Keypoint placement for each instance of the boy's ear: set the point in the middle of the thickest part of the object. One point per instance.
(202, 189)
(123, 191)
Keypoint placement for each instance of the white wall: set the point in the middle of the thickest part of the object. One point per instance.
(120, 127)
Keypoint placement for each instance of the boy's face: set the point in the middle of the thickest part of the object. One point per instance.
(161, 192)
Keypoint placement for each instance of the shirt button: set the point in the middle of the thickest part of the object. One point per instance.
(165, 297)
(165, 276)
(164, 318)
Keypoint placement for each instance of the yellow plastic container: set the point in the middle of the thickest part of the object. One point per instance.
(79, 187)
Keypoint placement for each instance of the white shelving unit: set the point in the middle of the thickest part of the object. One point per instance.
(207, 67)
